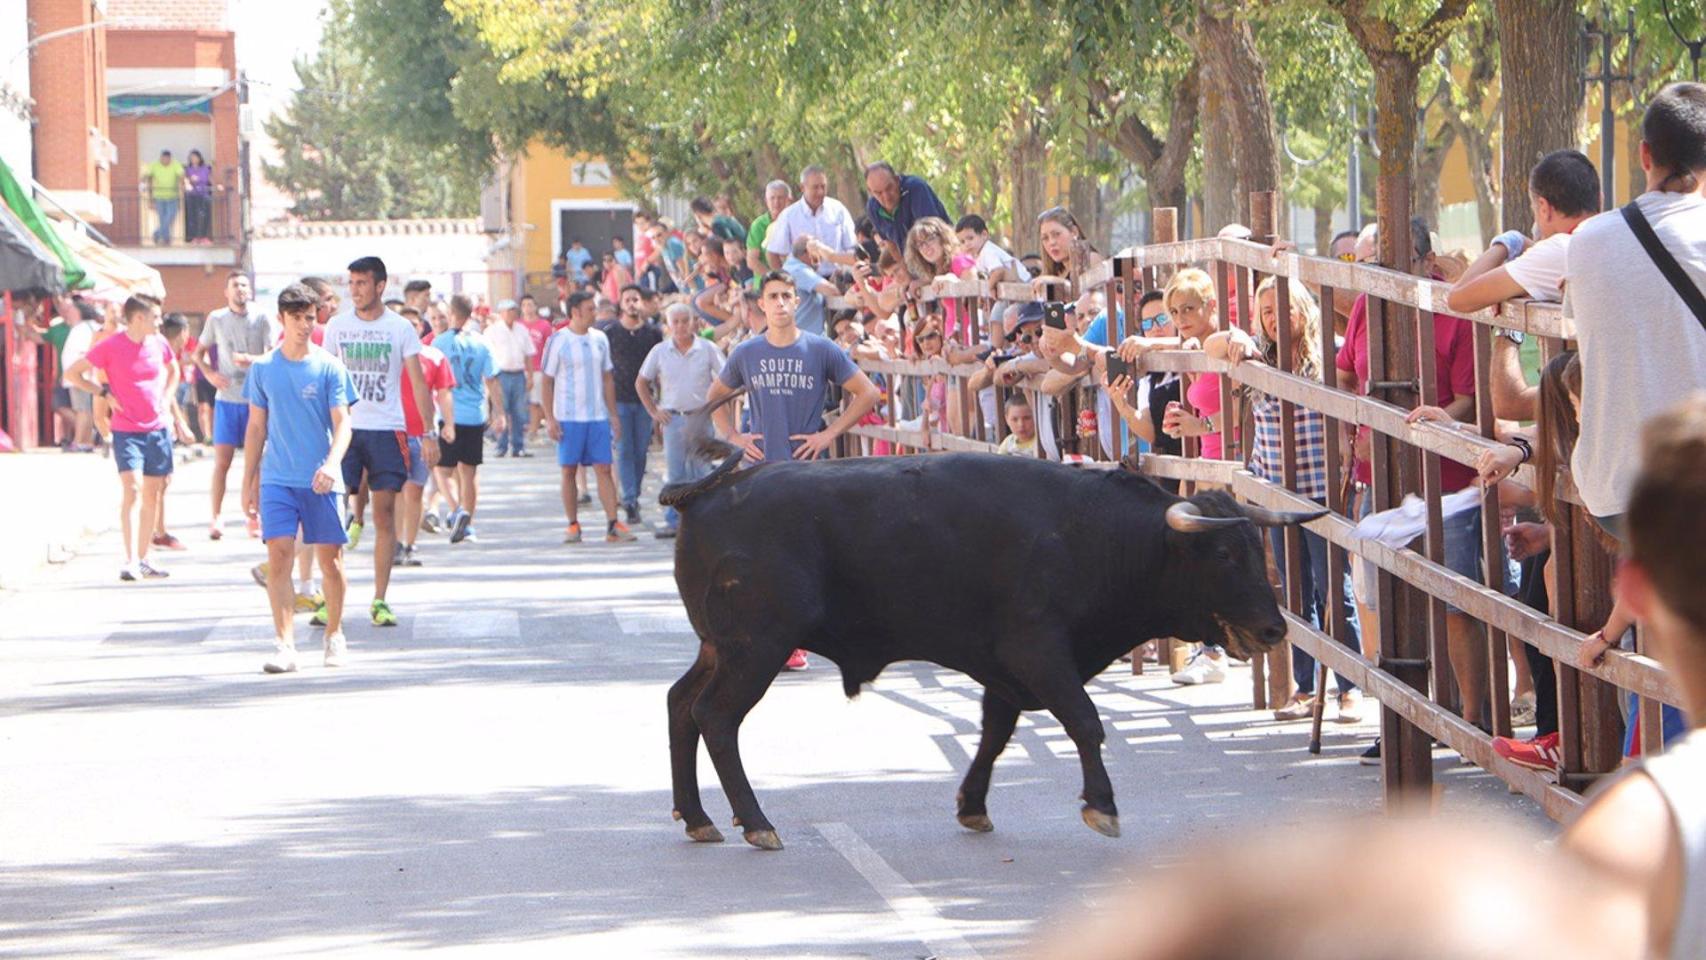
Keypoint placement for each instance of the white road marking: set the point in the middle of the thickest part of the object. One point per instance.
(913, 908)
(469, 625)
(653, 621)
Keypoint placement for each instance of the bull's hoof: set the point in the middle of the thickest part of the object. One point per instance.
(675, 815)
(705, 834)
(1106, 824)
(764, 839)
(976, 821)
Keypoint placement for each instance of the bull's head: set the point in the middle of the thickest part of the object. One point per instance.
(1215, 559)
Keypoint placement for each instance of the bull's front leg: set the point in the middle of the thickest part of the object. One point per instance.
(999, 719)
(1047, 672)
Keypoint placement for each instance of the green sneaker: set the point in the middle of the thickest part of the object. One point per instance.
(353, 531)
(319, 617)
(382, 615)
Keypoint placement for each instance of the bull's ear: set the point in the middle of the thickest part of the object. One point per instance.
(1186, 518)
(1263, 517)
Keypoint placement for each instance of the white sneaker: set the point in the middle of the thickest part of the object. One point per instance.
(151, 570)
(283, 659)
(337, 650)
(1203, 668)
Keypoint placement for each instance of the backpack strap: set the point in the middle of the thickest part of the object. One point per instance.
(1673, 272)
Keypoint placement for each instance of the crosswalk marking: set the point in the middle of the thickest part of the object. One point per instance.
(468, 625)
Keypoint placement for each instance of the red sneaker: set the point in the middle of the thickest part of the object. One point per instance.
(1540, 753)
(166, 541)
(797, 661)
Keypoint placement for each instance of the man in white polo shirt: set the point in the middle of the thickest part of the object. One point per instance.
(682, 368)
(815, 214)
(511, 344)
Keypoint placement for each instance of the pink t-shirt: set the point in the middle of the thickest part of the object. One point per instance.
(1204, 397)
(539, 329)
(1454, 365)
(951, 309)
(136, 372)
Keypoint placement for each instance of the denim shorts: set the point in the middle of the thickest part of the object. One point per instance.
(149, 452)
(417, 463)
(1463, 552)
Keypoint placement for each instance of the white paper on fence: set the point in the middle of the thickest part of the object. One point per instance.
(1405, 522)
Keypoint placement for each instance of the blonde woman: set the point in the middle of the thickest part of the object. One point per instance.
(1265, 462)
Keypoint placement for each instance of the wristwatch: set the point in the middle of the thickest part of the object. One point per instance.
(106, 389)
(1514, 336)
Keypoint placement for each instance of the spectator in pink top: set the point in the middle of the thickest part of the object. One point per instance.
(934, 258)
(141, 380)
(1191, 302)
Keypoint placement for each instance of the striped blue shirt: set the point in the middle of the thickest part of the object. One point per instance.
(578, 363)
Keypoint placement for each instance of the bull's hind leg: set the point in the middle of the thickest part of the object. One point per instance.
(999, 718)
(1055, 682)
(684, 746)
(735, 686)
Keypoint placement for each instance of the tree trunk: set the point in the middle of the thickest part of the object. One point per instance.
(1227, 48)
(1219, 160)
(1542, 99)
(1026, 179)
(1323, 228)
(1429, 165)
(1395, 81)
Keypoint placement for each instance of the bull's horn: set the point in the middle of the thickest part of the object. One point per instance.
(1263, 517)
(1186, 518)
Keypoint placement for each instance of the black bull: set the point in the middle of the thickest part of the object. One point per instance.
(1028, 576)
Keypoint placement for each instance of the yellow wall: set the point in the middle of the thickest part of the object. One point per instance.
(541, 175)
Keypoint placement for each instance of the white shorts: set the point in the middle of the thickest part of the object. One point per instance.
(533, 395)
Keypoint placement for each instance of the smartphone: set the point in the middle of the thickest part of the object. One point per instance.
(1054, 314)
(1117, 367)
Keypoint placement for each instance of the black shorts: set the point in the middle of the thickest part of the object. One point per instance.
(205, 392)
(469, 446)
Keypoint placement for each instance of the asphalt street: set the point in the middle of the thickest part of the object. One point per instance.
(491, 776)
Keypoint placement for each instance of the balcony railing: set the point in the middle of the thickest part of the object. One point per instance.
(210, 220)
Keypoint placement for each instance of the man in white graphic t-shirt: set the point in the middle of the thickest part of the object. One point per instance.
(379, 348)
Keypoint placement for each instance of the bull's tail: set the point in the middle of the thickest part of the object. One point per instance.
(708, 448)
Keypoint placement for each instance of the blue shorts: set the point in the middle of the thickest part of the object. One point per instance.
(383, 455)
(285, 511)
(230, 423)
(584, 443)
(1463, 552)
(417, 463)
(150, 452)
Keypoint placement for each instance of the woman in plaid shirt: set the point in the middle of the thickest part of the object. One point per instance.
(1266, 460)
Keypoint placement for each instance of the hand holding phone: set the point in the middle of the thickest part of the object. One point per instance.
(1054, 314)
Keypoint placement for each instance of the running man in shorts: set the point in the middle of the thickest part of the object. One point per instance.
(477, 385)
(382, 354)
(238, 337)
(298, 430)
(141, 379)
(580, 413)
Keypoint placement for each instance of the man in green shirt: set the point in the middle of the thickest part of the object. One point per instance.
(163, 183)
(777, 195)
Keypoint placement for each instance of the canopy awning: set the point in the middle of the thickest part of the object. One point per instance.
(114, 275)
(24, 263)
(24, 206)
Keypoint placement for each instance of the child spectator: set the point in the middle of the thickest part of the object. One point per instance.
(1021, 439)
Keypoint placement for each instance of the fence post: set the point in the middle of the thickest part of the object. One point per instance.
(1406, 750)
(1264, 228)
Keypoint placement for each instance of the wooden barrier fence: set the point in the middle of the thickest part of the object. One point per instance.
(1411, 674)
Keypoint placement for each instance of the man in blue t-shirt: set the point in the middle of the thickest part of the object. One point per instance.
(787, 373)
(299, 429)
(477, 385)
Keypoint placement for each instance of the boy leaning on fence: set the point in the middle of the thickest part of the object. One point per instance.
(1647, 827)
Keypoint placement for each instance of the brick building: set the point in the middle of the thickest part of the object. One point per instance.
(74, 152)
(172, 83)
